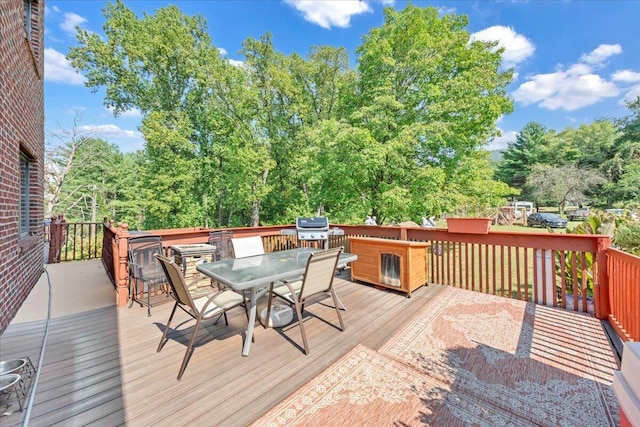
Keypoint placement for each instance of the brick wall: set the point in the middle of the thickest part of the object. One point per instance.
(21, 130)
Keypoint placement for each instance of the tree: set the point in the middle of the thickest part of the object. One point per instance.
(232, 145)
(594, 143)
(59, 163)
(425, 97)
(81, 180)
(562, 184)
(623, 166)
(152, 64)
(147, 63)
(521, 155)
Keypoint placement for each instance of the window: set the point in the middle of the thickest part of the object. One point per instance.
(24, 195)
(27, 17)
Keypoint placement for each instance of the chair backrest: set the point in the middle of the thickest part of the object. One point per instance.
(320, 271)
(141, 254)
(222, 241)
(179, 289)
(247, 246)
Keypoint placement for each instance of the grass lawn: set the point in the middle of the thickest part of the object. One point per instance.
(522, 228)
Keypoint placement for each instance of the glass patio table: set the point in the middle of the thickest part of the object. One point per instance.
(256, 274)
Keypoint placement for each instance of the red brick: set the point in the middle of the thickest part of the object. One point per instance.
(21, 128)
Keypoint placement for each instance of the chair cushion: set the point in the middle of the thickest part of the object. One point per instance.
(225, 300)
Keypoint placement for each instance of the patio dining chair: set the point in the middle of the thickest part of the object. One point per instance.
(318, 279)
(145, 274)
(200, 308)
(222, 241)
(247, 246)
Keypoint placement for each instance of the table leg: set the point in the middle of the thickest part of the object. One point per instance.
(253, 308)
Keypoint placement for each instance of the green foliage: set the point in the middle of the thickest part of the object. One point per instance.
(168, 178)
(476, 192)
(146, 63)
(521, 156)
(605, 148)
(582, 261)
(426, 97)
(561, 184)
(86, 177)
(286, 136)
(627, 237)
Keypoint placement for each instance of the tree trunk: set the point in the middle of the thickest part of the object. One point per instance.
(255, 214)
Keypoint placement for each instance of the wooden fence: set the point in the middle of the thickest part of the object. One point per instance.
(576, 272)
(74, 241)
(624, 294)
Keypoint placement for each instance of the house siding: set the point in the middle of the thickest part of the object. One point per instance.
(21, 130)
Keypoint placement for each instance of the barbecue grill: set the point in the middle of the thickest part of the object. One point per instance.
(313, 230)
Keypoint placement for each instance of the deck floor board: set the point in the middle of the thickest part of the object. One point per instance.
(101, 366)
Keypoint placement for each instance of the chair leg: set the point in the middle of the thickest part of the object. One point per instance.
(133, 286)
(166, 329)
(148, 300)
(187, 353)
(244, 304)
(337, 306)
(304, 335)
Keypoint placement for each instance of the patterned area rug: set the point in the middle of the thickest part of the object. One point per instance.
(468, 359)
(366, 388)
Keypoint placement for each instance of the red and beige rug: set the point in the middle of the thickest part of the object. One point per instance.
(468, 359)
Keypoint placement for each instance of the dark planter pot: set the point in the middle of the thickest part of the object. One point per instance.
(469, 225)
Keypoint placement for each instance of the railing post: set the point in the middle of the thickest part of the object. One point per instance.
(56, 239)
(601, 288)
(121, 264)
(403, 233)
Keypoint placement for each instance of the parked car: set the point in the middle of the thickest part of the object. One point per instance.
(545, 219)
(578, 215)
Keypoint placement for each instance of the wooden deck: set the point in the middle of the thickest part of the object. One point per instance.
(101, 365)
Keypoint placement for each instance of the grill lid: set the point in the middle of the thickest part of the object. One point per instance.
(317, 223)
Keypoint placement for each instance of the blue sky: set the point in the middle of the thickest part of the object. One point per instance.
(575, 60)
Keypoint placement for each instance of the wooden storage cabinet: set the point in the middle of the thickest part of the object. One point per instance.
(393, 264)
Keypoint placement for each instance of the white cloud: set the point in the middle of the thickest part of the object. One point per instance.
(600, 54)
(109, 130)
(76, 110)
(627, 76)
(127, 140)
(502, 142)
(630, 96)
(236, 63)
(578, 69)
(70, 21)
(576, 86)
(517, 47)
(58, 69)
(134, 112)
(330, 13)
(565, 90)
